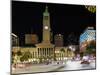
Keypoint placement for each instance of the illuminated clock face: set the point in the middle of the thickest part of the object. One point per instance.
(46, 27)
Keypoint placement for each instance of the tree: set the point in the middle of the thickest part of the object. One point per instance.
(93, 44)
(68, 50)
(22, 58)
(19, 53)
(26, 56)
(62, 53)
(13, 53)
(90, 47)
(12, 59)
(88, 50)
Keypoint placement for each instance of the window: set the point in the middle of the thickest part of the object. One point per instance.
(46, 17)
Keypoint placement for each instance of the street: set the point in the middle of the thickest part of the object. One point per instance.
(75, 65)
(69, 65)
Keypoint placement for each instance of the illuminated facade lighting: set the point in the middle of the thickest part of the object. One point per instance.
(88, 35)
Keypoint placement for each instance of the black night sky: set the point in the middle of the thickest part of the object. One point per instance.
(69, 20)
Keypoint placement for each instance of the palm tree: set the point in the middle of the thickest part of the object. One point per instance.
(68, 50)
(62, 53)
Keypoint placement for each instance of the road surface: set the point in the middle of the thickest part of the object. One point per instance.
(75, 65)
(69, 65)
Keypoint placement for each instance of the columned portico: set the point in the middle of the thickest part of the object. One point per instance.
(45, 52)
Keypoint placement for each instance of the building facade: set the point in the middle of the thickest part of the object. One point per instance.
(15, 39)
(63, 53)
(58, 39)
(31, 39)
(86, 37)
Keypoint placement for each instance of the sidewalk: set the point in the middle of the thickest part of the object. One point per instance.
(38, 68)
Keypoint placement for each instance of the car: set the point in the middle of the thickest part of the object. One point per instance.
(57, 62)
(47, 62)
(85, 62)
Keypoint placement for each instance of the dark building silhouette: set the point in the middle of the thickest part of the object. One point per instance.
(58, 39)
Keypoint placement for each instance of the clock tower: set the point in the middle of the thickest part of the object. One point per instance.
(45, 49)
(46, 26)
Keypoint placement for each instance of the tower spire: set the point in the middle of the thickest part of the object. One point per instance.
(46, 8)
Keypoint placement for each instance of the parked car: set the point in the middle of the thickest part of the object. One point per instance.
(85, 60)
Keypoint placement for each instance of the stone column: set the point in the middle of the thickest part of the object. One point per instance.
(45, 52)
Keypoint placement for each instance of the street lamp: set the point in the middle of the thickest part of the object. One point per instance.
(72, 48)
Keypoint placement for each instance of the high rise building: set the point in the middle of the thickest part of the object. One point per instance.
(89, 34)
(86, 37)
(15, 40)
(31, 39)
(58, 39)
(15, 43)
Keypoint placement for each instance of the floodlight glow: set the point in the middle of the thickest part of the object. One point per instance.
(46, 27)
